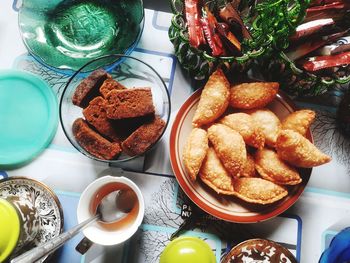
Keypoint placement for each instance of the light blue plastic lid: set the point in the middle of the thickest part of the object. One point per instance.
(28, 117)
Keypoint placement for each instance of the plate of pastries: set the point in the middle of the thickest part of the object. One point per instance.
(243, 152)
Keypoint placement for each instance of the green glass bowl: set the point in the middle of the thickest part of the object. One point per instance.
(68, 34)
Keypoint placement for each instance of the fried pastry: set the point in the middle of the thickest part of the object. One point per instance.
(195, 151)
(246, 126)
(253, 95)
(214, 99)
(258, 191)
(272, 168)
(249, 167)
(229, 146)
(269, 124)
(213, 174)
(298, 151)
(299, 121)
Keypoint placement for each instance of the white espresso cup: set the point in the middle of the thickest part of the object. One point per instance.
(115, 233)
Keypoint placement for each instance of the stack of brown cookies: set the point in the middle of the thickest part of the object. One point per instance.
(117, 119)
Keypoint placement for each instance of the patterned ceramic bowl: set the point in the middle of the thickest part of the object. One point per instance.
(38, 207)
(259, 250)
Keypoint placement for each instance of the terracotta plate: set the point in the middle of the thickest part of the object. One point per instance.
(227, 207)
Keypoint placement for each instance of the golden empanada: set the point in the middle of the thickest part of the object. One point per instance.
(214, 174)
(246, 126)
(294, 148)
(214, 99)
(299, 121)
(249, 167)
(195, 151)
(269, 124)
(229, 146)
(257, 190)
(253, 95)
(272, 168)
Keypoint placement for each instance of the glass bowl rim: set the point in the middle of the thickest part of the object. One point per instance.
(121, 57)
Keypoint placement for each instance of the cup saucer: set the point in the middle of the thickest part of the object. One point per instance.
(44, 200)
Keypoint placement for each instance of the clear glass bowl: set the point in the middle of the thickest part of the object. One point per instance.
(129, 71)
(65, 35)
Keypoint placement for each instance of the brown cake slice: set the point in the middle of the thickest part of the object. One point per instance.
(129, 103)
(108, 85)
(95, 115)
(144, 137)
(88, 88)
(125, 127)
(94, 143)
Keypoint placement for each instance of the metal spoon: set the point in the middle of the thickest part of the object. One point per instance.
(112, 208)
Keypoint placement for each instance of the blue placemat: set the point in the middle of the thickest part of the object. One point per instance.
(67, 253)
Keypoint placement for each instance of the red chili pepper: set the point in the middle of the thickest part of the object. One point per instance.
(195, 31)
(334, 5)
(335, 10)
(323, 2)
(297, 52)
(209, 24)
(323, 62)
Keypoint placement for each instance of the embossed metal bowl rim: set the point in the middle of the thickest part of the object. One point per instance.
(69, 71)
(226, 258)
(50, 191)
(120, 58)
